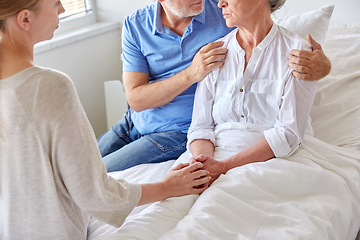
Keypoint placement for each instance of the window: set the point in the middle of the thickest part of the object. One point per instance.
(78, 13)
(75, 8)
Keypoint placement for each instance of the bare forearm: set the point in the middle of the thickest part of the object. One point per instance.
(156, 94)
(152, 192)
(202, 146)
(259, 152)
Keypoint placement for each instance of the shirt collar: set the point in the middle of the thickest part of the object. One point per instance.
(158, 27)
(201, 17)
(269, 37)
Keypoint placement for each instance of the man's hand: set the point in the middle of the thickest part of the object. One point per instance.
(310, 65)
(209, 57)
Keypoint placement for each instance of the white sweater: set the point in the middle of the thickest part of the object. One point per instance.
(52, 178)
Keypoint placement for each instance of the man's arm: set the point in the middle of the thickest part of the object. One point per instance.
(310, 65)
(143, 95)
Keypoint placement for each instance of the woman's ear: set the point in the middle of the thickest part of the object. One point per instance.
(24, 19)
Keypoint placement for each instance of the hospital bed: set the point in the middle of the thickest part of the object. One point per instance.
(313, 194)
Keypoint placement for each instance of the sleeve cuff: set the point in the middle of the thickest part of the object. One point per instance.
(201, 134)
(277, 142)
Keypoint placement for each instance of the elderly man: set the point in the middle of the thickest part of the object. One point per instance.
(168, 46)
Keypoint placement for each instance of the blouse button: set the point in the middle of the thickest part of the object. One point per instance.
(242, 116)
(241, 90)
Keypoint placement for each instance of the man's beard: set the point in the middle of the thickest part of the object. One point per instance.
(182, 12)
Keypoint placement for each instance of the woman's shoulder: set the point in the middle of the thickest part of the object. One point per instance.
(293, 39)
(52, 74)
(228, 37)
(47, 79)
(47, 89)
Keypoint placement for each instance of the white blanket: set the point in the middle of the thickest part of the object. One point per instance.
(313, 194)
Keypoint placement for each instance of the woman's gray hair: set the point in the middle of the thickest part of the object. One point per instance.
(276, 4)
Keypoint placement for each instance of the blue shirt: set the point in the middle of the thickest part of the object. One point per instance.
(150, 47)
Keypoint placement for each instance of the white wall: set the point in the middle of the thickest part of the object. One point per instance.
(89, 63)
(117, 10)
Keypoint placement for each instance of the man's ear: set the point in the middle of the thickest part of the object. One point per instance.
(24, 19)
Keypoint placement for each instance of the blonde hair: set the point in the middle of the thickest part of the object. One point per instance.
(9, 8)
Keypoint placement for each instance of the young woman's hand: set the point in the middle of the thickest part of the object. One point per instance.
(185, 179)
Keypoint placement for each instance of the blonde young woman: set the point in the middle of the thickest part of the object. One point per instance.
(52, 177)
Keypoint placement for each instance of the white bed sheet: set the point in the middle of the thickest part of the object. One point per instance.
(313, 194)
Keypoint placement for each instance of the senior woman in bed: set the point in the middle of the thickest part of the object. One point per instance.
(252, 109)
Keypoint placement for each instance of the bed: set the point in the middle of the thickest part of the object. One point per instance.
(312, 194)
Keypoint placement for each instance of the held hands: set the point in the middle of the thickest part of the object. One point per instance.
(215, 168)
(310, 65)
(185, 179)
(209, 57)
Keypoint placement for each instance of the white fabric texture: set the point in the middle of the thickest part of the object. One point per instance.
(336, 110)
(313, 194)
(315, 23)
(342, 29)
(265, 94)
(52, 177)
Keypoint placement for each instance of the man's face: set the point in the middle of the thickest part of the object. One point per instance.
(184, 8)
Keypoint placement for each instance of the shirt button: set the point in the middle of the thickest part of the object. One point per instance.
(242, 116)
(241, 90)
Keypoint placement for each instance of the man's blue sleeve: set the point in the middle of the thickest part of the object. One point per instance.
(132, 57)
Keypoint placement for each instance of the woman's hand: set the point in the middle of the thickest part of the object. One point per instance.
(213, 167)
(183, 179)
(186, 179)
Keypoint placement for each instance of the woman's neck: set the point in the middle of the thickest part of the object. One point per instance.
(14, 57)
(249, 36)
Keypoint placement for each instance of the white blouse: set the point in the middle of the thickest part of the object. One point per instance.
(266, 93)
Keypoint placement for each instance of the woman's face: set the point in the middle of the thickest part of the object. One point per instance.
(238, 12)
(46, 19)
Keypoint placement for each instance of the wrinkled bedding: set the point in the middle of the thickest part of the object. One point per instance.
(312, 194)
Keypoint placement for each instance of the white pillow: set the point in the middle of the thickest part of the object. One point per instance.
(315, 23)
